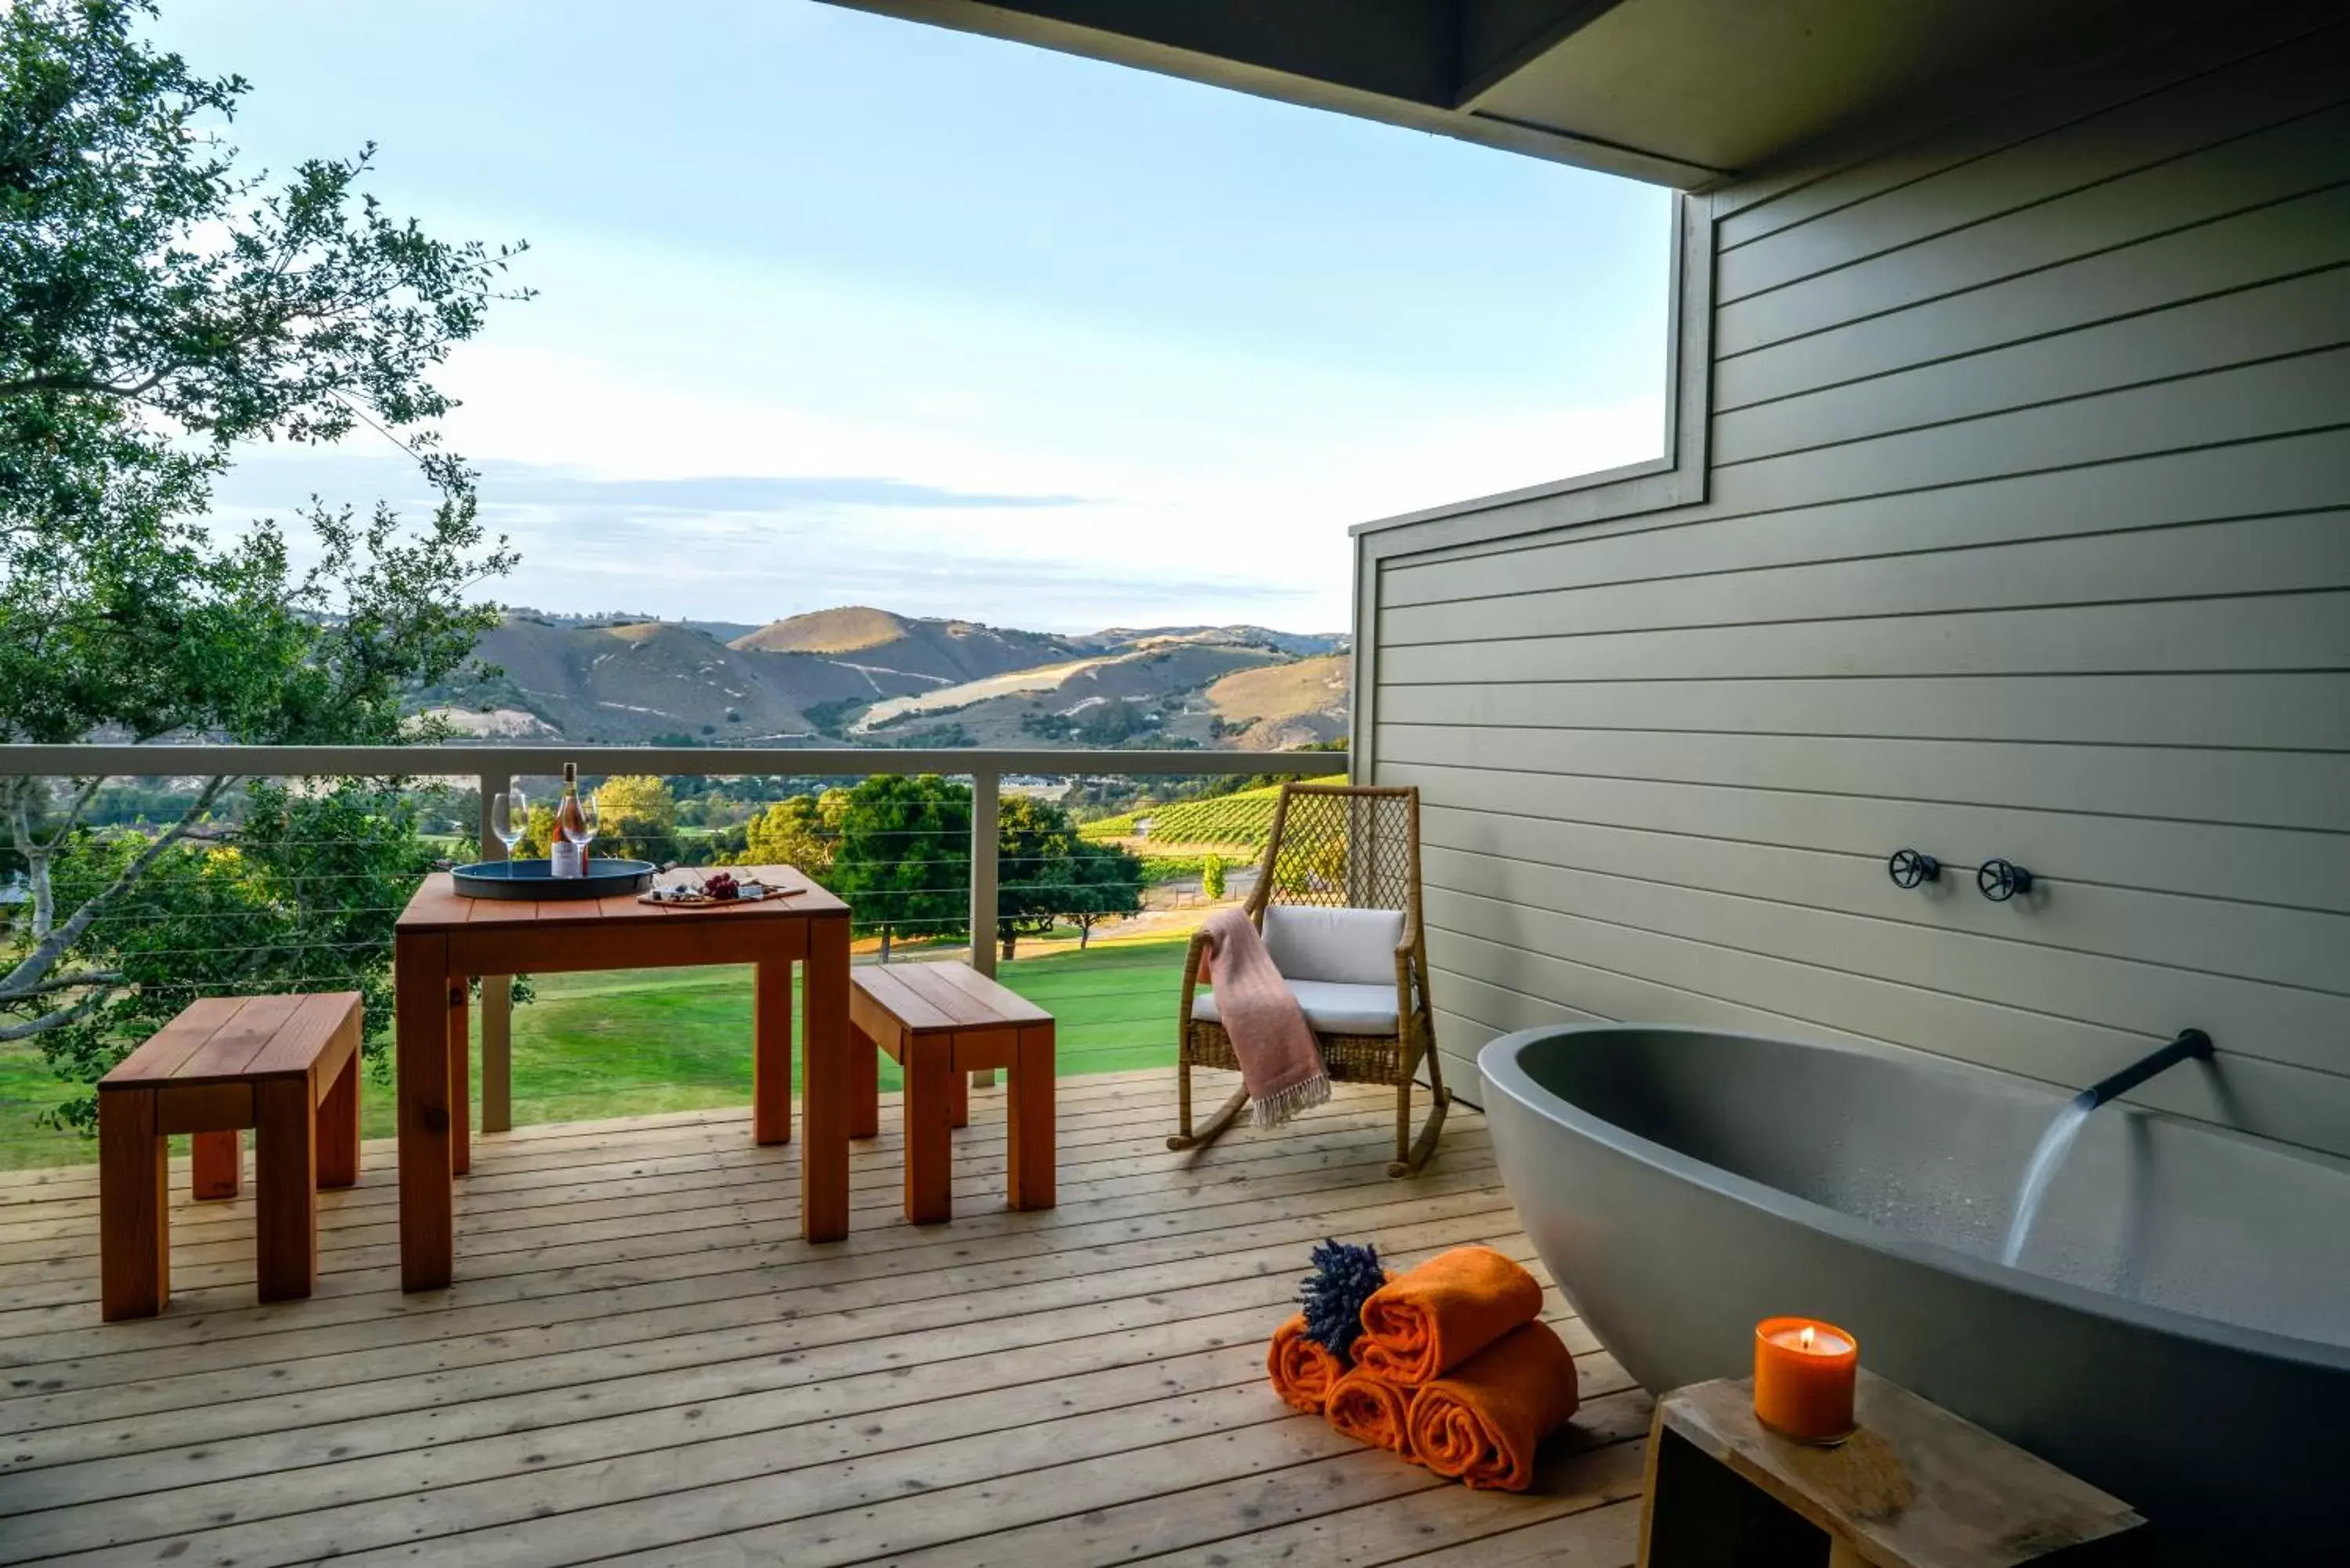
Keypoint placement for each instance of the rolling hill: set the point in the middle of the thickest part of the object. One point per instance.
(869, 676)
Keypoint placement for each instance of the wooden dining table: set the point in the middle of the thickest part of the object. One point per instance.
(444, 940)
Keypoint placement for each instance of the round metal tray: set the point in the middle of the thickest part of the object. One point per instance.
(531, 879)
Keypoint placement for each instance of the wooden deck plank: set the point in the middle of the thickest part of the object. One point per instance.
(489, 1341)
(739, 1326)
(1080, 1096)
(645, 1362)
(1370, 1515)
(1220, 1512)
(1124, 1205)
(664, 1218)
(693, 1165)
(504, 1252)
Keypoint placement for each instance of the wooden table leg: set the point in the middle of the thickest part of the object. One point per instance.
(461, 1077)
(825, 1084)
(219, 1163)
(771, 1052)
(1031, 1112)
(864, 1084)
(134, 1238)
(958, 1098)
(338, 1127)
(931, 1077)
(286, 1188)
(420, 1028)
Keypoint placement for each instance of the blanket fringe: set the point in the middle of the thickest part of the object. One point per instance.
(1306, 1094)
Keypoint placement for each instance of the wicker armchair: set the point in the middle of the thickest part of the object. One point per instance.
(1337, 847)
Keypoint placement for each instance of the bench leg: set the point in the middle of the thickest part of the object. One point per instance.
(338, 1129)
(929, 1149)
(134, 1238)
(285, 1183)
(864, 1084)
(220, 1163)
(959, 1099)
(1031, 1114)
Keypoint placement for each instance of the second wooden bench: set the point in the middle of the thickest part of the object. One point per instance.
(939, 1022)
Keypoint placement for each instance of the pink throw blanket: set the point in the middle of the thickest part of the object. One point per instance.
(1280, 1063)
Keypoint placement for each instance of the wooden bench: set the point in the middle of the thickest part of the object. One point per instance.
(939, 1022)
(288, 1067)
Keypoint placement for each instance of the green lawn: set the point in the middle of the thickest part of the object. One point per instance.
(639, 1041)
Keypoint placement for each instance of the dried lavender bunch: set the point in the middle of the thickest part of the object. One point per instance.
(1333, 1295)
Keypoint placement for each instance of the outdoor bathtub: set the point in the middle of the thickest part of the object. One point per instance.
(2178, 1332)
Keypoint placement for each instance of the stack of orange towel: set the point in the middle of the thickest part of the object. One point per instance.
(1454, 1370)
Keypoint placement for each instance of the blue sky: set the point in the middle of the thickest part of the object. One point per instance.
(835, 308)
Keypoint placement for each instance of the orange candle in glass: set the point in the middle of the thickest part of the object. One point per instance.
(1804, 1371)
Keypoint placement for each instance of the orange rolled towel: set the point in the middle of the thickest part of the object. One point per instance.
(1303, 1370)
(1370, 1409)
(1429, 1320)
(1481, 1422)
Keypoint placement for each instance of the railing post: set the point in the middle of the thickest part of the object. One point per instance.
(984, 830)
(497, 993)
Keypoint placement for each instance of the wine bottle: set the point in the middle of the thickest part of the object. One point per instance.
(567, 856)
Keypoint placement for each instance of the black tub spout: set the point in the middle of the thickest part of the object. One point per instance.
(2191, 1042)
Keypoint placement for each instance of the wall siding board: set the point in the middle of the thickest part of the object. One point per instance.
(2212, 334)
(2025, 531)
(2248, 403)
(2280, 631)
(2299, 948)
(2264, 556)
(2262, 712)
(2244, 251)
(2253, 866)
(2271, 165)
(2236, 100)
(2004, 111)
(2305, 1028)
(2255, 789)
(2294, 473)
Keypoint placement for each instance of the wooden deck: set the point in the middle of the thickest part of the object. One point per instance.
(643, 1362)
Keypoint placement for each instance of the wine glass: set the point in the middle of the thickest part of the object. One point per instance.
(583, 832)
(509, 817)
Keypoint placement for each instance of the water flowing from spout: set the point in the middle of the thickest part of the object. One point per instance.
(2046, 1159)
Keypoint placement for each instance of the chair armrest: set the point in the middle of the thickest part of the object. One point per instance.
(1193, 968)
(1191, 957)
(1408, 962)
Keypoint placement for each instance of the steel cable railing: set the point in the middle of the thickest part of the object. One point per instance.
(248, 900)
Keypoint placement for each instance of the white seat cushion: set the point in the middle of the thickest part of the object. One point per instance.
(1349, 947)
(1332, 1007)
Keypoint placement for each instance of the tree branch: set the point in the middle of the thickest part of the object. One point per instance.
(11, 1033)
(76, 981)
(36, 965)
(88, 385)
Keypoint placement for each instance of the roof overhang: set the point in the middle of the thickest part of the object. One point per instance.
(1685, 93)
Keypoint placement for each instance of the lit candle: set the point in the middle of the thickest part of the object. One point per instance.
(1803, 1375)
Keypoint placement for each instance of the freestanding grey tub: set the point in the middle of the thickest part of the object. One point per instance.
(2178, 1331)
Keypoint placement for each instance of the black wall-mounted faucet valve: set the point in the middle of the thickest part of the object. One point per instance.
(1908, 867)
(2000, 880)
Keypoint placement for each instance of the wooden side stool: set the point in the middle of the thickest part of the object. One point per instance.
(1916, 1487)
(941, 1022)
(286, 1066)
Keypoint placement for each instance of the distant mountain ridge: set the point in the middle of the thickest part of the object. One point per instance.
(873, 677)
